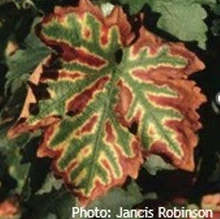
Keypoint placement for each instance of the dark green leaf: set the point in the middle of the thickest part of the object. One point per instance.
(54, 205)
(182, 19)
(11, 150)
(118, 198)
(155, 163)
(24, 61)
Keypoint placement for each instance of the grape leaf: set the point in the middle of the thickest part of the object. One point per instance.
(139, 4)
(182, 19)
(103, 82)
(54, 205)
(118, 198)
(24, 61)
(155, 163)
(11, 150)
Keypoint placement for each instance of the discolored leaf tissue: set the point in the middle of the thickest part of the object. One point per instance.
(108, 98)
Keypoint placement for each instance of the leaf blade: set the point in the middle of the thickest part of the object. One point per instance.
(86, 99)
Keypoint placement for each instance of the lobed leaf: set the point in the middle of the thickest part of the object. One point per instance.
(11, 152)
(126, 198)
(182, 19)
(24, 61)
(108, 98)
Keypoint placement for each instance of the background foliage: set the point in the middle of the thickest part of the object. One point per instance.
(27, 180)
